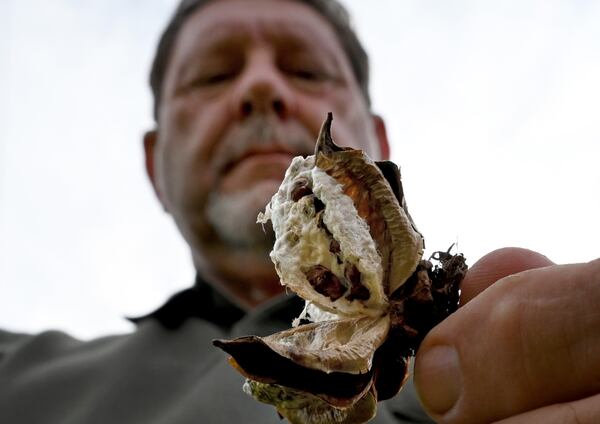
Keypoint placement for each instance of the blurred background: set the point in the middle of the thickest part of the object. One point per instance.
(492, 110)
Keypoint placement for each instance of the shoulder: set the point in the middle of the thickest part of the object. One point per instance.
(10, 341)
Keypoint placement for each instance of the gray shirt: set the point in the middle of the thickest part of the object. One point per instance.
(165, 372)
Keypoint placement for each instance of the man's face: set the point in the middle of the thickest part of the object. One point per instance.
(247, 88)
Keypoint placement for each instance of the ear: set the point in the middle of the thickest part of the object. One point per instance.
(381, 133)
(150, 140)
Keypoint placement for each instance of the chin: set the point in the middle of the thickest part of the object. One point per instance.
(263, 191)
(233, 216)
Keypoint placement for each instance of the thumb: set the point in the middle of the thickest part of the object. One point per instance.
(469, 335)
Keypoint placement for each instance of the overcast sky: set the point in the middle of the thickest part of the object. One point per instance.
(492, 110)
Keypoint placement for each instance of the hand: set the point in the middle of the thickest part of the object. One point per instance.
(523, 348)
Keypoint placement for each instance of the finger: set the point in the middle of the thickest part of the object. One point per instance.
(584, 411)
(532, 339)
(496, 265)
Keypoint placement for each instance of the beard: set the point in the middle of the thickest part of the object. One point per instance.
(232, 214)
(233, 218)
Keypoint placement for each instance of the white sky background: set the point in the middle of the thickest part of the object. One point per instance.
(492, 110)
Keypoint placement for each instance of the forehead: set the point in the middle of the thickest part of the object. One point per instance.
(286, 22)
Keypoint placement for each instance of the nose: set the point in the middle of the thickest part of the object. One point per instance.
(263, 89)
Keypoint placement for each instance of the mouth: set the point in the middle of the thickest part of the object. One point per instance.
(266, 157)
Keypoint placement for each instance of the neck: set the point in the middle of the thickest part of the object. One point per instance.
(247, 278)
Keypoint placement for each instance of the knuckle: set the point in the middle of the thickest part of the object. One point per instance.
(593, 268)
(570, 414)
(506, 314)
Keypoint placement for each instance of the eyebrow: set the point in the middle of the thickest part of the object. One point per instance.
(215, 39)
(218, 37)
(294, 36)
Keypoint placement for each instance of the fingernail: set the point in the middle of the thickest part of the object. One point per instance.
(438, 378)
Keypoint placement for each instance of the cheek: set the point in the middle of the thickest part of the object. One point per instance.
(189, 115)
(312, 110)
(362, 132)
(352, 125)
(190, 132)
(171, 172)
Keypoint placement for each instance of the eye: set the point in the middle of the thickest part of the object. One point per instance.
(215, 71)
(213, 78)
(305, 68)
(307, 74)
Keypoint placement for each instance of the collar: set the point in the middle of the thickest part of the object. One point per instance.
(200, 301)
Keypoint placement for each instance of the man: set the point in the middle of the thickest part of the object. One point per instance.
(240, 87)
(245, 90)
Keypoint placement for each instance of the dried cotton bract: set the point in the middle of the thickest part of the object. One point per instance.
(346, 244)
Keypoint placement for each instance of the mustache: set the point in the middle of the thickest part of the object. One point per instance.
(262, 134)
